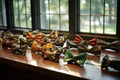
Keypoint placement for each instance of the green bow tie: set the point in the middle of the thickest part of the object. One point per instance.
(79, 60)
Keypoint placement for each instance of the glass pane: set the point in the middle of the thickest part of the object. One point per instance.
(44, 7)
(96, 24)
(29, 25)
(64, 6)
(110, 25)
(97, 7)
(2, 13)
(4, 19)
(15, 6)
(64, 23)
(44, 21)
(28, 8)
(84, 7)
(16, 19)
(110, 7)
(22, 6)
(54, 22)
(85, 23)
(1, 22)
(23, 21)
(54, 6)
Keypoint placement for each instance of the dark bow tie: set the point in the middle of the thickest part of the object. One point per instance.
(106, 62)
(115, 45)
(96, 50)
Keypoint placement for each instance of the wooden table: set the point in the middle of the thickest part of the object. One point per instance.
(33, 63)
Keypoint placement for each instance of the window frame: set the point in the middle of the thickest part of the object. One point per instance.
(73, 6)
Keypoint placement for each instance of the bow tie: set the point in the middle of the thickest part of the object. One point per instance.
(24, 42)
(106, 62)
(17, 49)
(79, 40)
(51, 57)
(96, 50)
(115, 45)
(79, 60)
(37, 38)
(48, 51)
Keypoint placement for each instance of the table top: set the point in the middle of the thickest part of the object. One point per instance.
(90, 70)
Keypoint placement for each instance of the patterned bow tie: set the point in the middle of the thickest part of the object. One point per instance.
(24, 42)
(48, 51)
(115, 45)
(79, 40)
(106, 62)
(37, 38)
(79, 60)
(96, 50)
(19, 50)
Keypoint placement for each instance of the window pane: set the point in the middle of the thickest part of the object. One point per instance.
(2, 13)
(22, 13)
(110, 25)
(97, 7)
(96, 24)
(54, 6)
(29, 21)
(110, 7)
(44, 7)
(44, 21)
(54, 22)
(16, 19)
(84, 7)
(54, 14)
(64, 23)
(15, 2)
(28, 10)
(85, 23)
(64, 6)
(22, 6)
(23, 20)
(102, 16)
(1, 21)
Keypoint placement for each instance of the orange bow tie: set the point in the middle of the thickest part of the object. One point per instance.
(37, 38)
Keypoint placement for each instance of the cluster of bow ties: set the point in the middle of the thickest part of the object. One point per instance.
(46, 46)
(10, 41)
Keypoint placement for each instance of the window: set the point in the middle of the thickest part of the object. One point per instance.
(2, 14)
(98, 16)
(54, 15)
(22, 13)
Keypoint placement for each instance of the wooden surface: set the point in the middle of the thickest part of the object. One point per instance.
(34, 63)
